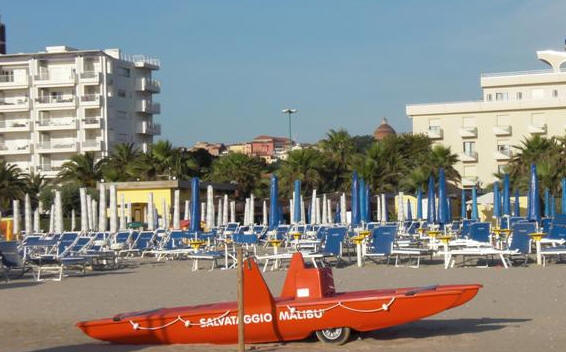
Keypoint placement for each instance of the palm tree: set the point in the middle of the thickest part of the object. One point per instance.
(35, 184)
(305, 165)
(164, 154)
(339, 145)
(119, 164)
(242, 170)
(82, 169)
(442, 157)
(12, 184)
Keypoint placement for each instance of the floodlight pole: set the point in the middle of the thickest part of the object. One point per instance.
(289, 112)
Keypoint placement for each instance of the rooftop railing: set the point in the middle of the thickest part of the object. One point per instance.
(520, 73)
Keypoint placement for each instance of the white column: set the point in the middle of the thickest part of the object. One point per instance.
(209, 207)
(27, 215)
(58, 212)
(233, 211)
(225, 210)
(343, 216)
(313, 207)
(122, 212)
(324, 219)
(252, 209)
(84, 215)
(102, 225)
(36, 228)
(94, 209)
(220, 214)
(303, 215)
(291, 208)
(177, 209)
(186, 216)
(113, 210)
(88, 206)
(73, 224)
(129, 214)
(264, 222)
(51, 218)
(16, 209)
(150, 219)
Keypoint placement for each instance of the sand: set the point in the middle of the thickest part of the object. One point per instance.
(520, 309)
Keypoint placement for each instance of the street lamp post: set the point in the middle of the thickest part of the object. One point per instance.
(289, 112)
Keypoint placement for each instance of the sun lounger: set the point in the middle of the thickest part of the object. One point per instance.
(10, 259)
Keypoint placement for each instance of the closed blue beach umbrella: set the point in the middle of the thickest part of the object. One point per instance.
(563, 207)
(367, 201)
(274, 204)
(546, 203)
(533, 213)
(431, 205)
(337, 214)
(297, 205)
(506, 196)
(442, 198)
(475, 215)
(419, 203)
(195, 205)
(496, 201)
(361, 199)
(355, 199)
(552, 206)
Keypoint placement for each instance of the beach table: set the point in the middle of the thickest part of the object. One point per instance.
(537, 236)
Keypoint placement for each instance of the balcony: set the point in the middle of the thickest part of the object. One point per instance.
(469, 181)
(468, 132)
(57, 147)
(468, 157)
(503, 155)
(90, 77)
(148, 85)
(91, 146)
(14, 126)
(6, 149)
(502, 130)
(56, 102)
(92, 123)
(435, 132)
(537, 129)
(11, 81)
(57, 124)
(148, 107)
(91, 100)
(49, 170)
(152, 129)
(55, 79)
(14, 104)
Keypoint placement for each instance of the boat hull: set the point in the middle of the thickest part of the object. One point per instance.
(284, 320)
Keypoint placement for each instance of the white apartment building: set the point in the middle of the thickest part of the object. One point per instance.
(64, 101)
(515, 105)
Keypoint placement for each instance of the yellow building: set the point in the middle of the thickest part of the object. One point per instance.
(137, 193)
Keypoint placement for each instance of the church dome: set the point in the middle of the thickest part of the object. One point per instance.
(383, 130)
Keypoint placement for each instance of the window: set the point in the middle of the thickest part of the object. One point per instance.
(555, 93)
(124, 72)
(488, 97)
(501, 96)
(469, 148)
(504, 148)
(537, 93)
(121, 93)
(519, 95)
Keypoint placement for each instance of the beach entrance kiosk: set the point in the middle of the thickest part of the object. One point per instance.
(137, 193)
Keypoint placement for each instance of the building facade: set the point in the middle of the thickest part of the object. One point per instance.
(484, 133)
(63, 101)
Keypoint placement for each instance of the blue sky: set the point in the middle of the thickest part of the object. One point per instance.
(229, 67)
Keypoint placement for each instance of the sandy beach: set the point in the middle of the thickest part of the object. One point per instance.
(520, 309)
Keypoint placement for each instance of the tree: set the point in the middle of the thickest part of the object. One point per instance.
(82, 169)
(12, 184)
(305, 165)
(339, 145)
(242, 170)
(119, 164)
(35, 184)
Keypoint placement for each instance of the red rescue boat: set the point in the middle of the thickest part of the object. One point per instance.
(308, 304)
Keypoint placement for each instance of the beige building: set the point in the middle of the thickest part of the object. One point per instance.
(515, 106)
